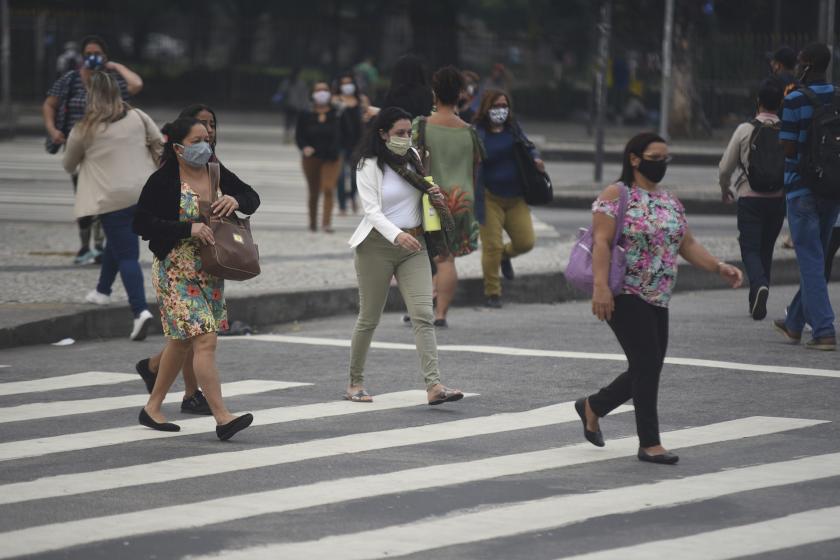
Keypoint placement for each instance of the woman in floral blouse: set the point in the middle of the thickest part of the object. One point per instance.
(654, 235)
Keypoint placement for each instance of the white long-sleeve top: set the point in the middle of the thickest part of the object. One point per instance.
(736, 157)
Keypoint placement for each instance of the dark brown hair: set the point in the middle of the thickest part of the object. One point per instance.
(482, 117)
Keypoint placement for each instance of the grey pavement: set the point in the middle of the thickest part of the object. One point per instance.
(450, 482)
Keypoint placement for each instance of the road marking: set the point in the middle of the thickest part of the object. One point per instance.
(511, 351)
(56, 536)
(114, 436)
(42, 410)
(496, 522)
(217, 463)
(781, 533)
(85, 379)
(4, 366)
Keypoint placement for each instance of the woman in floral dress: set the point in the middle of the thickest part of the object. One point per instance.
(191, 301)
(654, 234)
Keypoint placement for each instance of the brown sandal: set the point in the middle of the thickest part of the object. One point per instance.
(359, 396)
(447, 395)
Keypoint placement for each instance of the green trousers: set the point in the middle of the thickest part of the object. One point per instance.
(513, 216)
(377, 259)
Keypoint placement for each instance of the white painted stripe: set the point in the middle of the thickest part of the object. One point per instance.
(4, 366)
(41, 410)
(56, 536)
(511, 351)
(790, 531)
(85, 379)
(217, 463)
(114, 436)
(541, 515)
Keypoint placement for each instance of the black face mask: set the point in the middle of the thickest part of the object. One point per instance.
(653, 171)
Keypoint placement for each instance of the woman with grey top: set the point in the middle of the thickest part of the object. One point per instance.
(389, 242)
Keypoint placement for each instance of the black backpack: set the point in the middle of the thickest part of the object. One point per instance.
(766, 164)
(819, 165)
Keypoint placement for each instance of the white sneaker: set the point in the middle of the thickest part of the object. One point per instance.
(141, 325)
(97, 298)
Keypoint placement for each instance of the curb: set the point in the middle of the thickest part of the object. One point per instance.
(269, 309)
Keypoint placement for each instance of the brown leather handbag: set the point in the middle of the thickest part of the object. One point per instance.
(234, 256)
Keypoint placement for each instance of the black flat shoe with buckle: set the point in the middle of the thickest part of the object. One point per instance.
(666, 458)
(595, 438)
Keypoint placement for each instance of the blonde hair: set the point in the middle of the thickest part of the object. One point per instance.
(104, 103)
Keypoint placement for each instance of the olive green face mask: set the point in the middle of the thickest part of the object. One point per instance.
(398, 145)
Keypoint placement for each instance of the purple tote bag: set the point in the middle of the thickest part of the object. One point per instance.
(579, 270)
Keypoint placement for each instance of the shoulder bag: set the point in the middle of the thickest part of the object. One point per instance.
(579, 270)
(536, 184)
(234, 256)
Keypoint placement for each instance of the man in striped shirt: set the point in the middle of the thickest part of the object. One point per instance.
(810, 217)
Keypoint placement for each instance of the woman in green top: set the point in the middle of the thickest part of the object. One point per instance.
(452, 153)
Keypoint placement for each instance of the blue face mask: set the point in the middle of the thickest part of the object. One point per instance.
(198, 154)
(94, 61)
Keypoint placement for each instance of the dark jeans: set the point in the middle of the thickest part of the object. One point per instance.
(833, 245)
(759, 223)
(642, 331)
(122, 254)
(347, 172)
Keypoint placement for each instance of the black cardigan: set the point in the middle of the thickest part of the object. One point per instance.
(156, 218)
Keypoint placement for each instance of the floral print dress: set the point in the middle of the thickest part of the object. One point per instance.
(192, 302)
(654, 228)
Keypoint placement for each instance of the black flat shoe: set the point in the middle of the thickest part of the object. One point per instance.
(667, 458)
(147, 374)
(149, 422)
(227, 431)
(595, 438)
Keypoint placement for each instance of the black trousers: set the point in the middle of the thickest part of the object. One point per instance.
(833, 245)
(642, 331)
(759, 223)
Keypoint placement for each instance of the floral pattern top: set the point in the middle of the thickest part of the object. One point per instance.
(654, 228)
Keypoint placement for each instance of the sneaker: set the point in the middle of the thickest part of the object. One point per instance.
(196, 404)
(141, 325)
(779, 325)
(97, 254)
(97, 298)
(507, 269)
(759, 306)
(493, 302)
(84, 256)
(406, 319)
(824, 343)
(441, 323)
(149, 377)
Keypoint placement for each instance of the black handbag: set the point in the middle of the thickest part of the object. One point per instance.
(536, 184)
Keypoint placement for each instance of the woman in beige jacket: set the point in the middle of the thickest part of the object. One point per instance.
(114, 148)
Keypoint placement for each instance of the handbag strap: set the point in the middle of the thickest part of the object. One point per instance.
(623, 199)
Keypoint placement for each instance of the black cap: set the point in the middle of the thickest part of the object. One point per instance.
(786, 56)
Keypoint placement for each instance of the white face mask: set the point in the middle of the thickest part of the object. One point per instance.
(348, 89)
(321, 97)
(499, 115)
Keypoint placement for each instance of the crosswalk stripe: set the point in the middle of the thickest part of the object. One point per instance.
(55, 536)
(74, 381)
(41, 410)
(790, 531)
(217, 463)
(131, 434)
(544, 514)
(511, 351)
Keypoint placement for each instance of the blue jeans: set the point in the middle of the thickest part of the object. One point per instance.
(348, 171)
(122, 254)
(811, 219)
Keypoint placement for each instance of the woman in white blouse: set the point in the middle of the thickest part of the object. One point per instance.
(389, 242)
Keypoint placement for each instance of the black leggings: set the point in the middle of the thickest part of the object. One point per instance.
(833, 245)
(642, 331)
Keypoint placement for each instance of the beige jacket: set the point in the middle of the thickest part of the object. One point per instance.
(736, 156)
(113, 163)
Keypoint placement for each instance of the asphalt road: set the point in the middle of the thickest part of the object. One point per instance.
(503, 474)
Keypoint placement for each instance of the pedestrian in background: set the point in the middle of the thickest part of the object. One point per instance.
(352, 106)
(451, 151)
(65, 106)
(410, 89)
(654, 234)
(318, 135)
(470, 99)
(499, 197)
(389, 242)
(782, 65)
(194, 401)
(191, 301)
(811, 216)
(293, 96)
(755, 155)
(113, 149)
